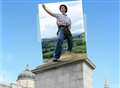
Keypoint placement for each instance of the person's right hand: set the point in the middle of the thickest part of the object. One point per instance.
(43, 5)
(50, 13)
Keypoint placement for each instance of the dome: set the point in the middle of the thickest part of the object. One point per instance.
(26, 74)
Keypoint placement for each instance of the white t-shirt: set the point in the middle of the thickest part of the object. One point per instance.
(63, 20)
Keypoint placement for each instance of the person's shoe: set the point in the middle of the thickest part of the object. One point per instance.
(55, 60)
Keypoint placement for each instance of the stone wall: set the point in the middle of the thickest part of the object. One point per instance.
(26, 83)
(70, 73)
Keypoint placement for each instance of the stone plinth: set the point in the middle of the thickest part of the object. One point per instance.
(74, 71)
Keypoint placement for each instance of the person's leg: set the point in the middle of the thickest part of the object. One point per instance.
(58, 50)
(70, 42)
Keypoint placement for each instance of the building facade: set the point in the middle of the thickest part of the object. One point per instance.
(24, 80)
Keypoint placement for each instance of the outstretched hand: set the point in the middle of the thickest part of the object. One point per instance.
(43, 5)
(50, 13)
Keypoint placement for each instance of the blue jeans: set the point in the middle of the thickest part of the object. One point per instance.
(62, 35)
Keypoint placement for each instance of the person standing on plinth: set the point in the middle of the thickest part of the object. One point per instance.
(64, 26)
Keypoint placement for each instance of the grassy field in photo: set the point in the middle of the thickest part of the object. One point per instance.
(79, 45)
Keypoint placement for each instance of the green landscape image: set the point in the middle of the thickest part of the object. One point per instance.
(79, 46)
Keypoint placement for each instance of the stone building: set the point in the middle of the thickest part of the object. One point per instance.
(73, 71)
(4, 85)
(24, 80)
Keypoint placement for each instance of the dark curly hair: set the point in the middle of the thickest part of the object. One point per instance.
(64, 6)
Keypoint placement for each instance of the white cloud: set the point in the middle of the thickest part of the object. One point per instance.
(48, 27)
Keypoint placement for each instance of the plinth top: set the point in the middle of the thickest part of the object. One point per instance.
(65, 60)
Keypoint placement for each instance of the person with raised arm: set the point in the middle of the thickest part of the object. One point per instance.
(64, 26)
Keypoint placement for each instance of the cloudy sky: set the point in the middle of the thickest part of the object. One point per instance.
(48, 27)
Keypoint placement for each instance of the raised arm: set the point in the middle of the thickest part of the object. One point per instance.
(50, 13)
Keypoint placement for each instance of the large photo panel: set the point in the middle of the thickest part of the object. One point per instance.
(62, 30)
